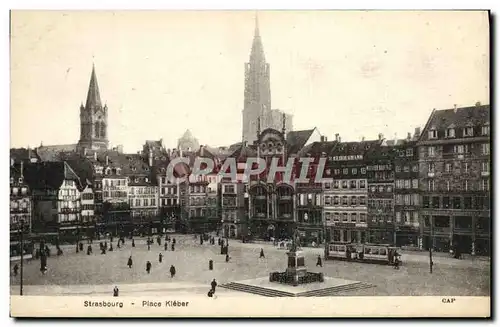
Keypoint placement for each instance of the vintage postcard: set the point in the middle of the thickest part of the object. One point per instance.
(250, 164)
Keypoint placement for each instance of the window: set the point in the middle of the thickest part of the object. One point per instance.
(328, 200)
(399, 199)
(336, 184)
(447, 167)
(466, 167)
(398, 217)
(345, 171)
(485, 148)
(469, 131)
(406, 169)
(344, 184)
(414, 168)
(354, 217)
(398, 169)
(433, 134)
(430, 185)
(466, 185)
(435, 202)
(344, 201)
(407, 183)
(415, 199)
(457, 203)
(354, 171)
(327, 185)
(485, 185)
(431, 151)
(362, 184)
(353, 184)
(353, 201)
(137, 202)
(362, 200)
(345, 217)
(362, 217)
(485, 130)
(328, 216)
(336, 171)
(431, 167)
(407, 199)
(485, 167)
(409, 152)
(336, 217)
(414, 183)
(363, 170)
(336, 200)
(450, 132)
(425, 202)
(153, 202)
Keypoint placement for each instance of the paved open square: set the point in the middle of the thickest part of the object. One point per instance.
(79, 273)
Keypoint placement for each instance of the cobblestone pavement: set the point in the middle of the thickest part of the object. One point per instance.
(75, 273)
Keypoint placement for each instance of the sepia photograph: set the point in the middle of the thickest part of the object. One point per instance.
(250, 163)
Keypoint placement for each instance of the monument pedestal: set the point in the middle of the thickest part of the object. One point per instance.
(296, 265)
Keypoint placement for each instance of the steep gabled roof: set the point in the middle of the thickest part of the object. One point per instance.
(459, 117)
(51, 152)
(49, 175)
(296, 140)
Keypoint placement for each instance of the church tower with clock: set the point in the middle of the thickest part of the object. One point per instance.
(93, 119)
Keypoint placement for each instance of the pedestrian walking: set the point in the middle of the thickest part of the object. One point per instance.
(214, 285)
(172, 271)
(319, 262)
(148, 267)
(173, 246)
(174, 241)
(227, 257)
(118, 244)
(89, 249)
(111, 248)
(16, 269)
(129, 262)
(80, 245)
(115, 291)
(149, 246)
(165, 246)
(396, 262)
(133, 243)
(158, 240)
(262, 253)
(160, 257)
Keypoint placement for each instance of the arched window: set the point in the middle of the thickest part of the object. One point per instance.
(97, 129)
(103, 130)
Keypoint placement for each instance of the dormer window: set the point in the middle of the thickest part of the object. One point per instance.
(136, 180)
(433, 134)
(20, 180)
(118, 171)
(156, 158)
(485, 130)
(146, 169)
(12, 180)
(108, 171)
(163, 158)
(450, 132)
(468, 131)
(146, 180)
(133, 169)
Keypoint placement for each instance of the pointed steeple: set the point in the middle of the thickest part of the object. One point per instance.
(257, 52)
(93, 96)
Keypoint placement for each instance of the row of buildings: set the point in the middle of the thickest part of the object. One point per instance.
(429, 189)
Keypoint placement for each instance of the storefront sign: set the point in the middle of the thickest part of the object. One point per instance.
(346, 158)
(345, 225)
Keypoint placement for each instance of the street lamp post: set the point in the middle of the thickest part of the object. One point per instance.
(306, 217)
(22, 257)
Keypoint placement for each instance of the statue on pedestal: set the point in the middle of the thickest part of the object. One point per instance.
(295, 241)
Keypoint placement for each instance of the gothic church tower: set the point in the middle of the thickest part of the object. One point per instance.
(257, 97)
(93, 119)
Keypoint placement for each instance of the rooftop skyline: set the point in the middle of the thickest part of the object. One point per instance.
(160, 73)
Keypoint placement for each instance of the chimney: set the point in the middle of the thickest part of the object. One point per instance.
(380, 136)
(284, 124)
(202, 152)
(408, 136)
(340, 139)
(322, 139)
(337, 137)
(107, 160)
(326, 139)
(362, 139)
(150, 159)
(478, 103)
(417, 132)
(95, 156)
(22, 169)
(455, 108)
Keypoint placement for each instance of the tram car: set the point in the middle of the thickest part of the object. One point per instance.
(369, 253)
(15, 250)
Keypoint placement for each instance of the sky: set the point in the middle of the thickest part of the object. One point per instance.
(355, 73)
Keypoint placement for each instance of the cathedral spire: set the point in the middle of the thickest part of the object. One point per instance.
(257, 52)
(93, 96)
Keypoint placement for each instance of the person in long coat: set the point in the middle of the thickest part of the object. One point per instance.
(129, 262)
(319, 262)
(116, 291)
(214, 285)
(160, 257)
(89, 249)
(172, 271)
(133, 243)
(173, 246)
(166, 246)
(16, 268)
(148, 267)
(262, 253)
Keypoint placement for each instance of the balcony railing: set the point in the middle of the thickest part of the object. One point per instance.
(70, 210)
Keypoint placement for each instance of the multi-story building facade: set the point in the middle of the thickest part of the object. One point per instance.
(346, 197)
(56, 197)
(406, 191)
(196, 202)
(87, 205)
(168, 198)
(380, 179)
(454, 162)
(21, 203)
